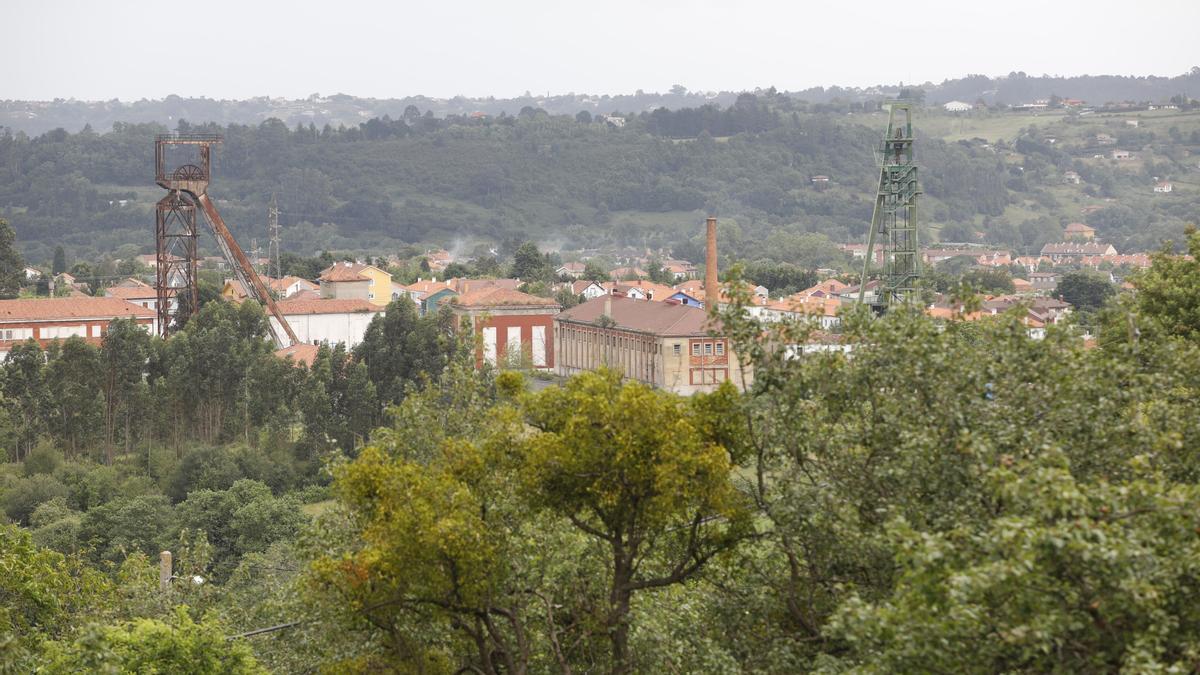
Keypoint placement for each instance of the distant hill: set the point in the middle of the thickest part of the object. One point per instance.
(35, 117)
(645, 180)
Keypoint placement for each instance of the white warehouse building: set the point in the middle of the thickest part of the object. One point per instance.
(328, 320)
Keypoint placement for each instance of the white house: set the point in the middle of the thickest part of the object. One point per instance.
(571, 269)
(588, 289)
(1163, 186)
(141, 294)
(330, 320)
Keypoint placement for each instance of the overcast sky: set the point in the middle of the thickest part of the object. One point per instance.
(131, 49)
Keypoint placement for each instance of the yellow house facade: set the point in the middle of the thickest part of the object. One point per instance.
(356, 281)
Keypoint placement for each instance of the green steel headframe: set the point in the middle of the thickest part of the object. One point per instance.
(895, 215)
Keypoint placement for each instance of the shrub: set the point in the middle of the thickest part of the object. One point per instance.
(26, 494)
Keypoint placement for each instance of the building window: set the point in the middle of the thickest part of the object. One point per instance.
(708, 349)
(370, 296)
(677, 349)
(695, 349)
(720, 349)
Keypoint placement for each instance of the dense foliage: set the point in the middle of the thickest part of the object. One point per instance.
(948, 498)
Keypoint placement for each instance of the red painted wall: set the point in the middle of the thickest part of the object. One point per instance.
(502, 322)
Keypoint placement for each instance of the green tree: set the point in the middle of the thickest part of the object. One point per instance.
(123, 355)
(74, 404)
(1066, 576)
(127, 525)
(338, 401)
(640, 471)
(1087, 291)
(12, 267)
(529, 264)
(175, 645)
(594, 271)
(437, 552)
(44, 593)
(59, 265)
(1168, 297)
(25, 393)
(243, 519)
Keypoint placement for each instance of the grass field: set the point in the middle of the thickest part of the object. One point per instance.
(994, 127)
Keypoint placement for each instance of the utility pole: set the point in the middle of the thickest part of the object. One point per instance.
(275, 268)
(255, 255)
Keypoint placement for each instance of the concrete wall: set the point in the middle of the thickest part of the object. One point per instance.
(347, 290)
(332, 328)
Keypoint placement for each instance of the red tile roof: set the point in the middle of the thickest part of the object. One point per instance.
(425, 287)
(301, 352)
(326, 306)
(61, 309)
(463, 285)
(344, 271)
(142, 292)
(656, 318)
(502, 297)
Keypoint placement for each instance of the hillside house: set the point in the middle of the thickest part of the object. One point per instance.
(680, 269)
(571, 269)
(1071, 178)
(1121, 155)
(47, 320)
(639, 290)
(1071, 251)
(1079, 232)
(1043, 282)
(1163, 187)
(588, 289)
(663, 344)
(627, 273)
(281, 288)
(427, 294)
(438, 260)
(356, 281)
(821, 309)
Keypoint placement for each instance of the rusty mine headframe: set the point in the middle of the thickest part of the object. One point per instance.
(183, 164)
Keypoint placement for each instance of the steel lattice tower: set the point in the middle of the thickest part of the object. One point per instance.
(895, 214)
(175, 263)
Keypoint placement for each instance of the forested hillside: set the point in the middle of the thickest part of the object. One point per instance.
(576, 181)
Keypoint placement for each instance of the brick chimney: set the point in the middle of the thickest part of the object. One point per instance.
(711, 286)
(608, 305)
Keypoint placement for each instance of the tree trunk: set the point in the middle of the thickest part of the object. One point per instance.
(618, 615)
